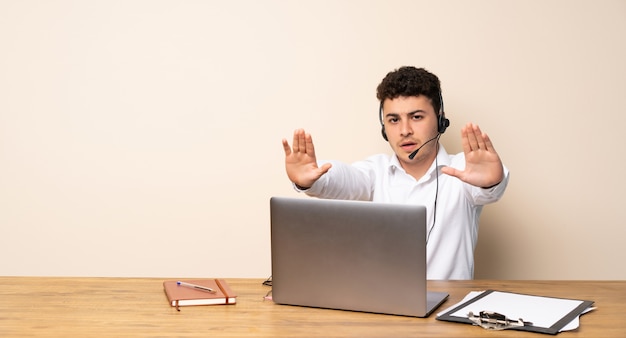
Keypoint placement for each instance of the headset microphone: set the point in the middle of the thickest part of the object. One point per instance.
(420, 147)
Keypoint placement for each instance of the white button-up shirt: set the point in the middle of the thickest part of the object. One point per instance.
(451, 239)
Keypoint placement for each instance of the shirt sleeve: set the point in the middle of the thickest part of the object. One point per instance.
(343, 181)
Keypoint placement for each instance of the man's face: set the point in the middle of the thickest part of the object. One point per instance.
(410, 122)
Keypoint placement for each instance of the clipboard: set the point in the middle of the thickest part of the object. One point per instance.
(539, 314)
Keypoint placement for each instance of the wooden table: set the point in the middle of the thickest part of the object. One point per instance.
(129, 307)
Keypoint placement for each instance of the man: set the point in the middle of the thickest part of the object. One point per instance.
(454, 188)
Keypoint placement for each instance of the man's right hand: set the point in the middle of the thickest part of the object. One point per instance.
(300, 160)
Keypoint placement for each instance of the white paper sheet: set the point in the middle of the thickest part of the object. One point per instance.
(541, 311)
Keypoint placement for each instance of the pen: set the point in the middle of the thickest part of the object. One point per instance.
(194, 286)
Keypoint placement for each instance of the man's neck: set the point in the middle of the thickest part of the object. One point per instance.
(418, 167)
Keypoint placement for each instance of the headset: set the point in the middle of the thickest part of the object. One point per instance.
(442, 122)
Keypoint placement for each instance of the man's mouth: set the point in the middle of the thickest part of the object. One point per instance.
(408, 146)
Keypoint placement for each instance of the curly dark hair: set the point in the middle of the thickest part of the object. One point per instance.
(410, 81)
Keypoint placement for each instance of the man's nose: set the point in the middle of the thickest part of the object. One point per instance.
(405, 128)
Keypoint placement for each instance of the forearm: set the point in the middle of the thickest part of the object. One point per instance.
(342, 181)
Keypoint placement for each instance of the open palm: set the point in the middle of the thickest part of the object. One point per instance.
(483, 167)
(300, 161)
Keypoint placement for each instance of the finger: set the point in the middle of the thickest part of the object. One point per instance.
(484, 142)
(302, 141)
(298, 141)
(480, 137)
(294, 141)
(488, 145)
(286, 147)
(471, 137)
(465, 140)
(309, 148)
(451, 171)
(325, 167)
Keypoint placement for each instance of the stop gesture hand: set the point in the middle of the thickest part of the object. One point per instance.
(483, 167)
(300, 160)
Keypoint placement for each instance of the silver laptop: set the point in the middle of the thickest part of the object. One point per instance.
(350, 255)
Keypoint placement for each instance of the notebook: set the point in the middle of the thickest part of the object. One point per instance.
(350, 255)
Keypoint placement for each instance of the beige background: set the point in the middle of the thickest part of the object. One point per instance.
(142, 138)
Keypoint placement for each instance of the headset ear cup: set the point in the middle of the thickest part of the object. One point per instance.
(380, 118)
(443, 124)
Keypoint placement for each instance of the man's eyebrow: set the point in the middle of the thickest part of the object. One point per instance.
(409, 113)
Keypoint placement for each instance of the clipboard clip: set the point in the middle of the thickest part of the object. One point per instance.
(490, 320)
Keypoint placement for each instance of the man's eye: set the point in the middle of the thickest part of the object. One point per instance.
(393, 120)
(417, 117)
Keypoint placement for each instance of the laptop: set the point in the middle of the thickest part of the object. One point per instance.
(350, 255)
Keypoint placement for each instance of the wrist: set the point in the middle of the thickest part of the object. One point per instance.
(299, 187)
(491, 186)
